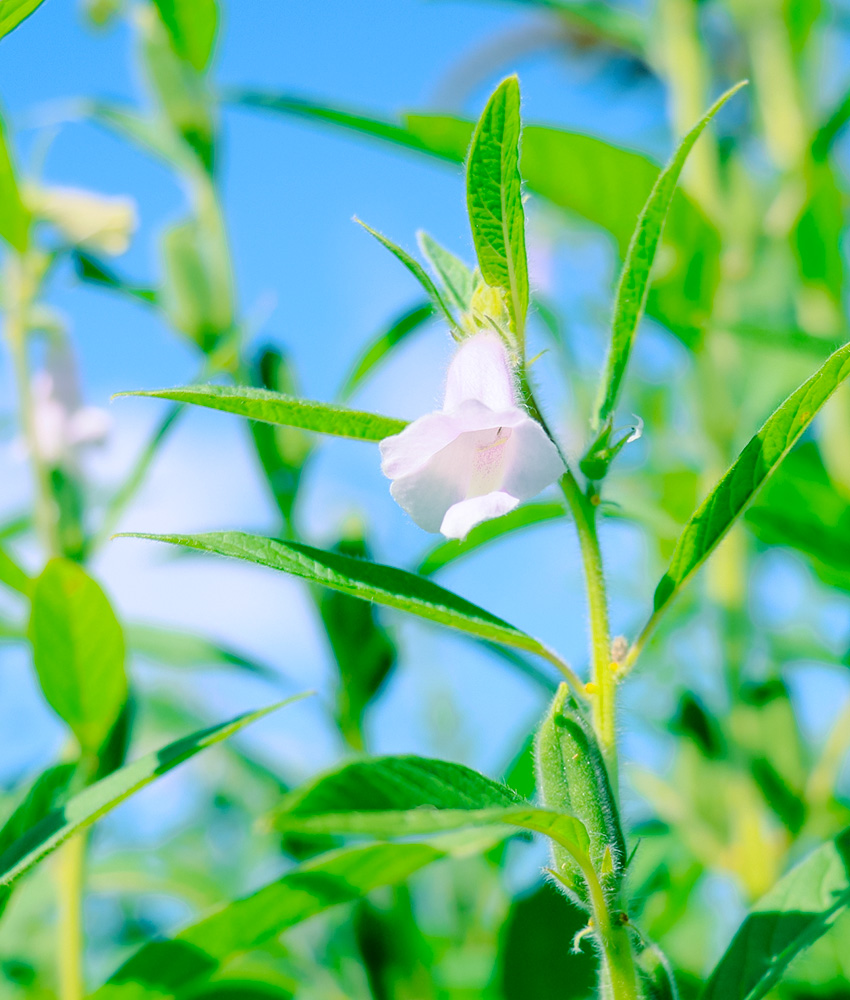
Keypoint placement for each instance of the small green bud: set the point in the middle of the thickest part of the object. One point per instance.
(572, 776)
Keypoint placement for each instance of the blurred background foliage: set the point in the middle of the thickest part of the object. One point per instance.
(738, 723)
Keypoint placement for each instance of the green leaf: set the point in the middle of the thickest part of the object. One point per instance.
(370, 581)
(446, 552)
(796, 912)
(12, 12)
(604, 184)
(13, 576)
(757, 461)
(185, 650)
(176, 966)
(494, 200)
(457, 279)
(287, 411)
(633, 287)
(400, 796)
(94, 272)
(192, 26)
(78, 651)
(15, 217)
(416, 269)
(98, 799)
(398, 331)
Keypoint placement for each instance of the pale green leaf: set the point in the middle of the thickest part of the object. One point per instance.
(172, 648)
(454, 548)
(377, 351)
(457, 279)
(416, 269)
(494, 199)
(634, 279)
(15, 217)
(13, 576)
(277, 408)
(78, 651)
(98, 799)
(719, 511)
(387, 585)
(796, 912)
(12, 12)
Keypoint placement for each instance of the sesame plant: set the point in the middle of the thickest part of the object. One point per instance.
(391, 874)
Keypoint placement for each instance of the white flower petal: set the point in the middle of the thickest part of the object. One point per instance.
(462, 517)
(481, 370)
(532, 462)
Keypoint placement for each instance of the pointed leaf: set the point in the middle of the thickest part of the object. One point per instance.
(370, 581)
(374, 354)
(757, 461)
(494, 199)
(634, 278)
(277, 408)
(12, 12)
(457, 279)
(416, 269)
(192, 27)
(801, 907)
(94, 272)
(15, 217)
(78, 651)
(98, 799)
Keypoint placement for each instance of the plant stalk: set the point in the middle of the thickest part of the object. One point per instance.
(618, 974)
(70, 862)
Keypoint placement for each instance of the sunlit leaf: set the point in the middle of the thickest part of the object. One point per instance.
(757, 461)
(446, 552)
(416, 269)
(13, 576)
(376, 352)
(798, 910)
(370, 581)
(78, 650)
(15, 217)
(192, 26)
(276, 408)
(494, 200)
(634, 279)
(98, 799)
(456, 278)
(12, 12)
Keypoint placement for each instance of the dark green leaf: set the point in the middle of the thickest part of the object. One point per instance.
(95, 272)
(494, 200)
(756, 462)
(276, 408)
(796, 912)
(397, 332)
(98, 799)
(78, 651)
(369, 581)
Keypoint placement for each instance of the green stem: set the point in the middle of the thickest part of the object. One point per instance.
(619, 979)
(70, 859)
(603, 684)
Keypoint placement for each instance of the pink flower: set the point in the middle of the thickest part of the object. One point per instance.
(478, 457)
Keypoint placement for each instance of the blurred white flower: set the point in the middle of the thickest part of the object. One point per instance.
(63, 423)
(95, 221)
(478, 457)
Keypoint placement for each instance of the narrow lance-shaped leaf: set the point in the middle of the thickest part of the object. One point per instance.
(375, 353)
(277, 408)
(416, 269)
(400, 796)
(801, 907)
(457, 279)
(387, 585)
(494, 200)
(634, 279)
(757, 461)
(98, 799)
(94, 272)
(15, 218)
(186, 961)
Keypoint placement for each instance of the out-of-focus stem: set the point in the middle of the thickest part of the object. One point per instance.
(70, 861)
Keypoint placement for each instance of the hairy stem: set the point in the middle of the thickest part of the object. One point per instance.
(618, 974)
